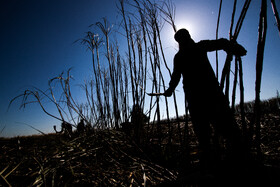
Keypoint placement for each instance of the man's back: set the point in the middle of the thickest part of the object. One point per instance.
(199, 79)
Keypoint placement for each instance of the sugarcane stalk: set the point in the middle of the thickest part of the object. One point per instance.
(217, 35)
(276, 15)
(259, 68)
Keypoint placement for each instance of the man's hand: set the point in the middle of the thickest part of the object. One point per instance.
(168, 92)
(238, 49)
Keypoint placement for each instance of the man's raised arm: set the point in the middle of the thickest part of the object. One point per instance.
(223, 44)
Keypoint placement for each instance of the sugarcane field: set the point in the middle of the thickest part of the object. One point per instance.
(140, 93)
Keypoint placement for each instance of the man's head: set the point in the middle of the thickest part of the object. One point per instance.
(182, 36)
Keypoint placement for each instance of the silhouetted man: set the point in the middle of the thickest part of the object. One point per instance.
(206, 100)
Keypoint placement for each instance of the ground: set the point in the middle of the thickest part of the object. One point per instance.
(111, 158)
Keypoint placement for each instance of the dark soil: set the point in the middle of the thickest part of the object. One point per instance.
(111, 158)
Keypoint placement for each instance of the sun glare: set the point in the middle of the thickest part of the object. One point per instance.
(187, 25)
(180, 24)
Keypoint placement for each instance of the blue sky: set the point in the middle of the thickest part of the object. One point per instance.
(37, 42)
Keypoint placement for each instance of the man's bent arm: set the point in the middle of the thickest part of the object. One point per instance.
(175, 78)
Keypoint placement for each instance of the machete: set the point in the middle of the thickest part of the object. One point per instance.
(155, 94)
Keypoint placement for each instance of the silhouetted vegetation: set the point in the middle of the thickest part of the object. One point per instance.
(112, 158)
